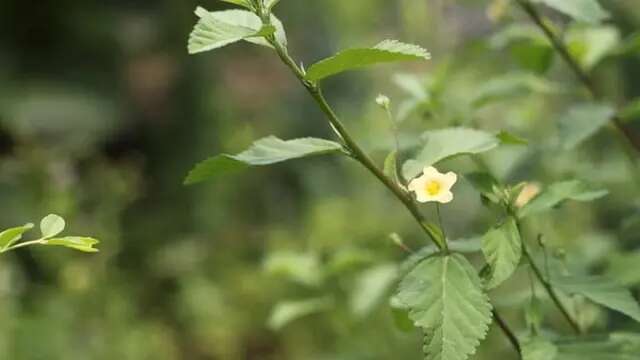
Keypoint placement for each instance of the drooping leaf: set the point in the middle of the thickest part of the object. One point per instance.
(445, 298)
(216, 29)
(385, 52)
(266, 151)
(601, 290)
(581, 122)
(80, 243)
(502, 248)
(588, 11)
(11, 236)
(287, 311)
(559, 192)
(51, 225)
(370, 288)
(446, 143)
(538, 349)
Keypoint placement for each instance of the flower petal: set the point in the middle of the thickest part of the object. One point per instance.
(445, 197)
(430, 172)
(449, 179)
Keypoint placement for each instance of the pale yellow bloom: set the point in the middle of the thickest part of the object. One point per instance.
(432, 185)
(529, 191)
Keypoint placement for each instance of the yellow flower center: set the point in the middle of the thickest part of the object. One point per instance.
(433, 187)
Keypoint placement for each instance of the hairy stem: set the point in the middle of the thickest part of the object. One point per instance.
(632, 140)
(513, 339)
(546, 284)
(352, 146)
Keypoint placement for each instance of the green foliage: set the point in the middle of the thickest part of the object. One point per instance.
(502, 248)
(588, 11)
(391, 167)
(50, 226)
(581, 122)
(442, 144)
(286, 312)
(601, 290)
(590, 45)
(616, 346)
(557, 193)
(445, 298)
(385, 52)
(266, 151)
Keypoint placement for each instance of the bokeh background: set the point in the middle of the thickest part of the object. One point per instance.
(102, 113)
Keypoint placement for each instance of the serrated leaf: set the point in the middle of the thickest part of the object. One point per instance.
(538, 349)
(581, 122)
(385, 52)
(11, 236)
(216, 29)
(244, 3)
(445, 298)
(600, 290)
(80, 243)
(266, 151)
(287, 311)
(465, 246)
(588, 11)
(502, 248)
(559, 192)
(51, 225)
(446, 143)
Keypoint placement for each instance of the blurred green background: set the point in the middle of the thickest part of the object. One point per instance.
(102, 113)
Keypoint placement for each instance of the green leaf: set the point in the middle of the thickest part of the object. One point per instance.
(51, 225)
(80, 243)
(266, 151)
(446, 143)
(510, 85)
(508, 138)
(287, 311)
(465, 246)
(445, 298)
(244, 3)
(11, 236)
(588, 11)
(220, 28)
(385, 52)
(391, 167)
(559, 192)
(502, 248)
(581, 122)
(590, 45)
(270, 4)
(370, 288)
(600, 290)
(303, 268)
(538, 349)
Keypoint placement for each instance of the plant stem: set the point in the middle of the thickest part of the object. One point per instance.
(546, 284)
(513, 339)
(632, 139)
(22, 244)
(352, 146)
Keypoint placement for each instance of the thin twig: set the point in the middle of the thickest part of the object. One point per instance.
(513, 339)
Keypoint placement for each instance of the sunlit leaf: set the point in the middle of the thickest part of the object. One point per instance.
(445, 298)
(11, 236)
(601, 290)
(590, 45)
(557, 193)
(502, 248)
(51, 225)
(287, 311)
(446, 143)
(80, 243)
(588, 11)
(266, 151)
(385, 52)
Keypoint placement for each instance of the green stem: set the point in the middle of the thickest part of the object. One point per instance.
(513, 339)
(352, 146)
(22, 244)
(632, 139)
(546, 284)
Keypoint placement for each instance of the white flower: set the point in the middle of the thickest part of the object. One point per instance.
(383, 101)
(433, 186)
